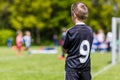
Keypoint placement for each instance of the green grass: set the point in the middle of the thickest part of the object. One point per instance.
(112, 74)
(48, 66)
(99, 61)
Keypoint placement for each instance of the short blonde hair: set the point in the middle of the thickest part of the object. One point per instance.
(64, 29)
(19, 32)
(80, 10)
(27, 33)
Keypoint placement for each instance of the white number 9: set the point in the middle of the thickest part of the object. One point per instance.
(84, 52)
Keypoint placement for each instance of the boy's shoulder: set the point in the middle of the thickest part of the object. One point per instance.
(85, 27)
(79, 28)
(70, 30)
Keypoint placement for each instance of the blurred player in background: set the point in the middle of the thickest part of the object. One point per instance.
(9, 42)
(62, 56)
(19, 40)
(109, 40)
(95, 43)
(78, 44)
(27, 40)
(55, 40)
(100, 37)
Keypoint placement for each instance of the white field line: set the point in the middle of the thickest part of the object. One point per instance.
(38, 71)
(31, 72)
(10, 57)
(52, 72)
(102, 70)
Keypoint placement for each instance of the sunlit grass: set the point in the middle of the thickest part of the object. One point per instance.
(48, 66)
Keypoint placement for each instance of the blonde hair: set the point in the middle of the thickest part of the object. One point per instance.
(19, 32)
(64, 29)
(27, 33)
(80, 10)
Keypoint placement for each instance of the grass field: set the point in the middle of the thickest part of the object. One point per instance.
(48, 66)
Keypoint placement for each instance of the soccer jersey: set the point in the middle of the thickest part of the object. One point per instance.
(78, 43)
(27, 41)
(19, 41)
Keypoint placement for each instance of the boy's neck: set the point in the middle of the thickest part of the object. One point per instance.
(79, 22)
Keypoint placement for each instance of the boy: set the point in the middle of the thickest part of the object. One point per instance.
(27, 40)
(78, 44)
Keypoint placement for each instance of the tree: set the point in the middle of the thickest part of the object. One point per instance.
(3, 14)
(30, 14)
(49, 16)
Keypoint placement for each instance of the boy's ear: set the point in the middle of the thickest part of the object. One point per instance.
(74, 15)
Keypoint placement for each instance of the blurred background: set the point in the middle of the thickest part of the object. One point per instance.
(44, 18)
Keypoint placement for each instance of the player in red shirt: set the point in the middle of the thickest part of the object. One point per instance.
(19, 42)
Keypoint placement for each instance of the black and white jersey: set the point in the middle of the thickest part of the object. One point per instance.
(78, 41)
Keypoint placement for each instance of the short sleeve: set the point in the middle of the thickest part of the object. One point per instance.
(67, 40)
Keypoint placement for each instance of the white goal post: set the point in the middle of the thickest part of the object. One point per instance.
(115, 36)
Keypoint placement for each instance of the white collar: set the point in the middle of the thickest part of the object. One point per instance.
(79, 23)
